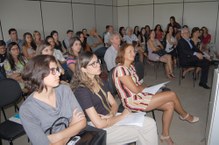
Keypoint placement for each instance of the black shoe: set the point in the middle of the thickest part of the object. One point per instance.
(204, 86)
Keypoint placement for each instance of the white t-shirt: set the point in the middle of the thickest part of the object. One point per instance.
(110, 57)
(129, 39)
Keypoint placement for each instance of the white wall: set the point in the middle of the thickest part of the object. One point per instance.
(19, 14)
(60, 15)
(151, 12)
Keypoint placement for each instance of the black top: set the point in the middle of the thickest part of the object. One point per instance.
(2, 57)
(58, 46)
(87, 99)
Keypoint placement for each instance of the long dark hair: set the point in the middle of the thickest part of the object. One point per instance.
(10, 57)
(73, 40)
(120, 31)
(32, 43)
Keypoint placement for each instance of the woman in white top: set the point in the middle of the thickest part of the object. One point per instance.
(171, 43)
(156, 52)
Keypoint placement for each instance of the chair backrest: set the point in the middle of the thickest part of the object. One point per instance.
(111, 83)
(139, 67)
(10, 92)
(2, 73)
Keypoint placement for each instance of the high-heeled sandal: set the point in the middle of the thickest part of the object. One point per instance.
(167, 139)
(194, 118)
(172, 75)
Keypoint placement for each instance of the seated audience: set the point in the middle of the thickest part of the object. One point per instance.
(58, 44)
(75, 48)
(101, 108)
(147, 31)
(2, 58)
(122, 33)
(67, 41)
(84, 31)
(14, 38)
(47, 49)
(206, 39)
(131, 93)
(129, 37)
(96, 44)
(142, 38)
(156, 52)
(107, 36)
(84, 44)
(195, 34)
(106, 30)
(37, 38)
(136, 31)
(48, 103)
(14, 63)
(176, 26)
(171, 43)
(158, 32)
(29, 46)
(111, 52)
(56, 52)
(190, 56)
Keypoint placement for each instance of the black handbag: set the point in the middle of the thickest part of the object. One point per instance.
(88, 136)
(160, 52)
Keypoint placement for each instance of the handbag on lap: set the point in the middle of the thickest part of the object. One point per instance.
(88, 136)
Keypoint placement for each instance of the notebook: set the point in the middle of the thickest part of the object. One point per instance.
(15, 118)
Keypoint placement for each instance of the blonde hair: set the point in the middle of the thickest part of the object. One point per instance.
(81, 78)
(41, 48)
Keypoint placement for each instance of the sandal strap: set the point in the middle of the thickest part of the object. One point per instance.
(164, 137)
(184, 118)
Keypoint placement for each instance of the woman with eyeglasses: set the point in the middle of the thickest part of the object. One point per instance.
(49, 102)
(14, 64)
(101, 108)
(130, 91)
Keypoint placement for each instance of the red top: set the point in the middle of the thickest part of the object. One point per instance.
(159, 35)
(207, 39)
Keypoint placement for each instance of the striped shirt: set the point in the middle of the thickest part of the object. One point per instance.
(130, 100)
(71, 60)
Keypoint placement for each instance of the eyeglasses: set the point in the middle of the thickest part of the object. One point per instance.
(94, 64)
(54, 71)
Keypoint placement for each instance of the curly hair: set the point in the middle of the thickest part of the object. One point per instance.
(36, 70)
(80, 78)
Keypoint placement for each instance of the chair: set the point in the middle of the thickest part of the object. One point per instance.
(113, 91)
(139, 67)
(10, 94)
(192, 69)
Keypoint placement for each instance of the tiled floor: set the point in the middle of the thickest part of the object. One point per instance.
(194, 99)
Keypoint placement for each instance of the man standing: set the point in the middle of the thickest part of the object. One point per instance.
(190, 56)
